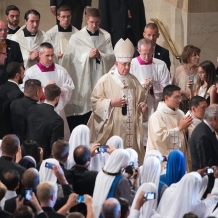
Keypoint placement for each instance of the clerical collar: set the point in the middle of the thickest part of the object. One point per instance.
(142, 62)
(44, 68)
(61, 29)
(13, 30)
(111, 174)
(27, 33)
(96, 33)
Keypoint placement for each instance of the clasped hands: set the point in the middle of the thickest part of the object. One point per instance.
(94, 53)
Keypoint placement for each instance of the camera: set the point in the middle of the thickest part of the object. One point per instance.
(28, 194)
(149, 196)
(209, 170)
(102, 149)
(49, 165)
(130, 167)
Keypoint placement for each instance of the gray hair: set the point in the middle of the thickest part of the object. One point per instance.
(45, 45)
(211, 111)
(145, 41)
(111, 208)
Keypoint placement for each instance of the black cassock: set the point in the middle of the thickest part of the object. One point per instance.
(115, 19)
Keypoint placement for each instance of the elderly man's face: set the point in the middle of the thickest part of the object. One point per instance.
(3, 31)
(46, 58)
(123, 68)
(151, 34)
(13, 18)
(32, 24)
(146, 52)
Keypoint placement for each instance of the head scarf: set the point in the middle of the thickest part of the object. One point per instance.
(46, 174)
(151, 173)
(28, 162)
(180, 198)
(176, 167)
(79, 136)
(147, 208)
(133, 157)
(155, 153)
(118, 159)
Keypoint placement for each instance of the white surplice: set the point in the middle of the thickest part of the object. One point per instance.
(163, 132)
(60, 39)
(63, 80)
(29, 44)
(158, 72)
(84, 71)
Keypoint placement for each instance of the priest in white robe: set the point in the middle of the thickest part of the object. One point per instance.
(48, 72)
(167, 125)
(61, 33)
(153, 75)
(30, 37)
(118, 103)
(88, 56)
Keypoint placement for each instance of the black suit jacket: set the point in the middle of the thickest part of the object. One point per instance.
(8, 92)
(13, 52)
(45, 126)
(58, 3)
(160, 53)
(204, 150)
(18, 111)
(5, 214)
(3, 75)
(83, 183)
(51, 213)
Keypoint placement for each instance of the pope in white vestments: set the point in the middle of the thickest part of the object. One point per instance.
(152, 71)
(118, 103)
(30, 37)
(61, 33)
(46, 72)
(88, 56)
(167, 125)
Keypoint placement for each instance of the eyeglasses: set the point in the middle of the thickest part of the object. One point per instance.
(177, 97)
(3, 53)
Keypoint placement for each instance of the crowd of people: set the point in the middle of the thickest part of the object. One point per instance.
(92, 125)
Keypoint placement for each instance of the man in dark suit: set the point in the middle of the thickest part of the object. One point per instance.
(83, 179)
(151, 32)
(204, 144)
(9, 92)
(44, 125)
(77, 8)
(10, 146)
(20, 106)
(13, 48)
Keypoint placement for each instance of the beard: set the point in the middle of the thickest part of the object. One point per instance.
(56, 104)
(13, 23)
(20, 81)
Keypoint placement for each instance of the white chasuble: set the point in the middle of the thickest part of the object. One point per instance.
(60, 39)
(163, 131)
(63, 80)
(85, 71)
(157, 71)
(107, 121)
(29, 44)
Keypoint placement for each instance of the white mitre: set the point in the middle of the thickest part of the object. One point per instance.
(124, 51)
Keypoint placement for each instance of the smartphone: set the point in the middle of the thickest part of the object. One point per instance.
(80, 199)
(49, 165)
(191, 77)
(28, 194)
(149, 196)
(102, 149)
(164, 158)
(209, 170)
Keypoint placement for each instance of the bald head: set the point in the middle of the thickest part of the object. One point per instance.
(30, 178)
(111, 208)
(3, 31)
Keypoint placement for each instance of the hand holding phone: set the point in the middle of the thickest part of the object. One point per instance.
(102, 149)
(49, 165)
(209, 171)
(191, 78)
(28, 194)
(164, 158)
(149, 196)
(80, 199)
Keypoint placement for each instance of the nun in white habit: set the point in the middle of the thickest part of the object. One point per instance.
(182, 197)
(79, 136)
(110, 182)
(146, 210)
(116, 142)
